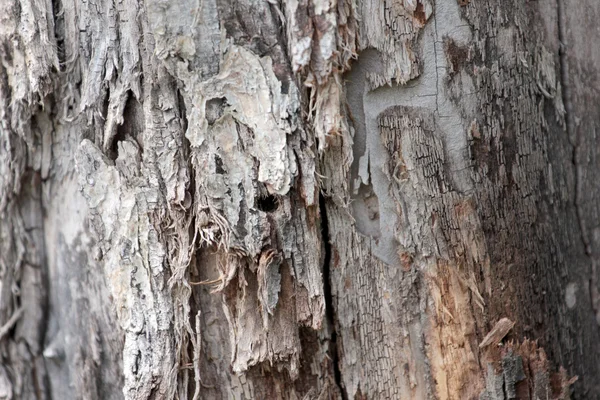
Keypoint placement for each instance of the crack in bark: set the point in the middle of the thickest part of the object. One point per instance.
(329, 306)
(575, 139)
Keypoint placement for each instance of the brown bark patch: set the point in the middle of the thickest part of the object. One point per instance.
(420, 15)
(456, 55)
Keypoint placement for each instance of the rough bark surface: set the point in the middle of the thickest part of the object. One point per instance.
(298, 199)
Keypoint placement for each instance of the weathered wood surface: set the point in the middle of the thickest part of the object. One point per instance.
(298, 199)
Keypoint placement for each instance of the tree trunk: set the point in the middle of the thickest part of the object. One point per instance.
(300, 199)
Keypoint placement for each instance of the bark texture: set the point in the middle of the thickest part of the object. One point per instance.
(299, 199)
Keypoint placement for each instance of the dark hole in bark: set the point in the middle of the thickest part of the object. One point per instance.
(133, 125)
(182, 111)
(267, 203)
(114, 146)
(105, 104)
(59, 33)
(219, 165)
(214, 109)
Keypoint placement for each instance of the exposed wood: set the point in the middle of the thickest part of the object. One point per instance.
(498, 332)
(443, 173)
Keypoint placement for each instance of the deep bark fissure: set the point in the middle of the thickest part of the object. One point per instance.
(59, 31)
(563, 69)
(566, 98)
(575, 140)
(46, 305)
(329, 306)
(568, 120)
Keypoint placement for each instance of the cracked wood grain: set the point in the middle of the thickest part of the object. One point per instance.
(434, 199)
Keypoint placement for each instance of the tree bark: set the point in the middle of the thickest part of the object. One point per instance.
(328, 199)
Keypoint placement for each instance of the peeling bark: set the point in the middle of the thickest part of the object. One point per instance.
(299, 199)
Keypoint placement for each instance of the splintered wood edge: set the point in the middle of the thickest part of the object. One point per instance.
(498, 332)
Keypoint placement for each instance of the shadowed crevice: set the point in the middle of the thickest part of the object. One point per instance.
(329, 305)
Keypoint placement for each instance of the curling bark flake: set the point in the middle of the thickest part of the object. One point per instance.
(297, 199)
